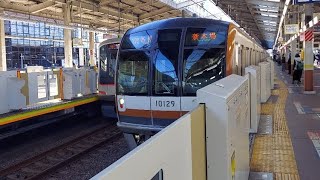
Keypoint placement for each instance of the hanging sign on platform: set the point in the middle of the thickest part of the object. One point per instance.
(291, 29)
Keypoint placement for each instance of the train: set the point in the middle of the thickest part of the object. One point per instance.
(161, 65)
(107, 53)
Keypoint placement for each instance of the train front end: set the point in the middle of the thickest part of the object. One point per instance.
(159, 71)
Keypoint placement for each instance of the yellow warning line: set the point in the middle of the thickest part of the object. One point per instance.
(38, 112)
(274, 153)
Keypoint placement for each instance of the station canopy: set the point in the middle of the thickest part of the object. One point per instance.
(258, 18)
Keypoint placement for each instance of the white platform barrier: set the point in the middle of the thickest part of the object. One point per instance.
(10, 92)
(71, 86)
(92, 84)
(265, 81)
(227, 127)
(31, 69)
(178, 151)
(82, 80)
(38, 87)
(254, 91)
(272, 73)
(79, 81)
(210, 144)
(53, 84)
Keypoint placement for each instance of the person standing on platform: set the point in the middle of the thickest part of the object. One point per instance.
(289, 63)
(283, 62)
(317, 57)
(298, 68)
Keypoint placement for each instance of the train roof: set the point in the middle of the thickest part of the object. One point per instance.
(178, 22)
(110, 41)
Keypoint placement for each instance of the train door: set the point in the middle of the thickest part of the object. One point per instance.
(243, 59)
(239, 60)
(165, 98)
(248, 59)
(235, 60)
(254, 58)
(251, 59)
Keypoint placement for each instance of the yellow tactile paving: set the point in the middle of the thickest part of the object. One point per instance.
(267, 108)
(274, 153)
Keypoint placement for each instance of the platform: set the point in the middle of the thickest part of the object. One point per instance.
(293, 151)
(302, 113)
(45, 108)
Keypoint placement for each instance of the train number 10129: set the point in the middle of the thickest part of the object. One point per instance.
(165, 103)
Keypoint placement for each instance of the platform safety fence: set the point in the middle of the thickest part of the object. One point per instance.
(177, 152)
(20, 89)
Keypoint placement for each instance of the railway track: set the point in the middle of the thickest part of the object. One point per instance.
(47, 162)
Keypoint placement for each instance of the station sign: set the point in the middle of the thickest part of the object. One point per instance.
(108, 36)
(316, 27)
(305, 1)
(291, 29)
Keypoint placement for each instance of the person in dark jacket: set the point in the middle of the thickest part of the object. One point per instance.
(283, 62)
(278, 59)
(289, 64)
(298, 68)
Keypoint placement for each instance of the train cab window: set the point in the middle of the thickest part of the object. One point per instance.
(103, 64)
(166, 62)
(112, 63)
(133, 73)
(107, 64)
(201, 68)
(103, 58)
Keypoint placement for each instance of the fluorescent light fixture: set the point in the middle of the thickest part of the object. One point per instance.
(281, 20)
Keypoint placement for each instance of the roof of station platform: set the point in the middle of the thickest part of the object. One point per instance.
(259, 18)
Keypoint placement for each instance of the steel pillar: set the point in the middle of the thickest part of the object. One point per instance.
(91, 47)
(81, 56)
(67, 36)
(294, 20)
(3, 58)
(308, 53)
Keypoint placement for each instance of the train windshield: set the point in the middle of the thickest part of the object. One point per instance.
(133, 73)
(133, 65)
(203, 59)
(166, 62)
(108, 55)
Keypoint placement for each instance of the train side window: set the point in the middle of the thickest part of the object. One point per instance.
(202, 67)
(107, 64)
(112, 63)
(103, 58)
(166, 62)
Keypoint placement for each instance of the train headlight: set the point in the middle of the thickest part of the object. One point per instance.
(121, 102)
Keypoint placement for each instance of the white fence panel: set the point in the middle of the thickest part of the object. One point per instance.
(169, 151)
